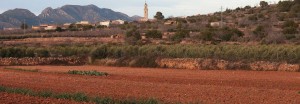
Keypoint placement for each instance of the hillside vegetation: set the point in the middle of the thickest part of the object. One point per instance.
(268, 23)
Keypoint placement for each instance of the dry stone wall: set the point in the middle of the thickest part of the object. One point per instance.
(214, 64)
(29, 61)
(209, 64)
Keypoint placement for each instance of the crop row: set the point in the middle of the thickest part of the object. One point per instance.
(79, 97)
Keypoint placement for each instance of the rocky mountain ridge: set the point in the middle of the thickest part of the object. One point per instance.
(64, 14)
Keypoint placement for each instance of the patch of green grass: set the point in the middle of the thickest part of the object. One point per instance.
(90, 73)
(20, 69)
(150, 101)
(45, 94)
(2, 89)
(79, 97)
(63, 96)
(98, 100)
(18, 91)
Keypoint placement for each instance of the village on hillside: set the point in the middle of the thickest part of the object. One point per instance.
(266, 23)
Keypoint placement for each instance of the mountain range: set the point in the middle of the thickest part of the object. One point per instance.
(64, 14)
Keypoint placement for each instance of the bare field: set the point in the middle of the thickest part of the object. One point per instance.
(167, 85)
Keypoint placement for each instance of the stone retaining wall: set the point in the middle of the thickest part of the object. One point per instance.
(29, 61)
(212, 64)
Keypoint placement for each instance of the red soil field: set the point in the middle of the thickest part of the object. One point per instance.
(167, 85)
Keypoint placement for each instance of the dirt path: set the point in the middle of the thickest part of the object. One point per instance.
(216, 86)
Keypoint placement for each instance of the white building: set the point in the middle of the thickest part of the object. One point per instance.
(118, 22)
(217, 24)
(36, 28)
(67, 25)
(83, 23)
(170, 22)
(105, 23)
(10, 29)
(49, 28)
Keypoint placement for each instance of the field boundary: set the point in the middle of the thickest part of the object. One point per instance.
(208, 64)
(31, 61)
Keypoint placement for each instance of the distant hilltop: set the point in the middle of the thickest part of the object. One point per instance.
(64, 14)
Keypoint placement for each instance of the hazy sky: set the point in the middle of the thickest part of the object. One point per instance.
(135, 7)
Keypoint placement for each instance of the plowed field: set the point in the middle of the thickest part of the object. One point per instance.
(167, 85)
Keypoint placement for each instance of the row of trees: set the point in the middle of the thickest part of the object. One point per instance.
(288, 53)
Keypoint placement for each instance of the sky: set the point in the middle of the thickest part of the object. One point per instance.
(135, 7)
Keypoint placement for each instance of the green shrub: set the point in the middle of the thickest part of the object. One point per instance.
(54, 51)
(133, 33)
(180, 34)
(295, 8)
(159, 16)
(98, 100)
(2, 89)
(263, 4)
(90, 73)
(40, 52)
(18, 91)
(260, 32)
(226, 34)
(207, 35)
(290, 24)
(63, 96)
(284, 6)
(290, 30)
(226, 37)
(80, 97)
(13, 52)
(149, 101)
(45, 94)
(253, 17)
(154, 34)
(99, 53)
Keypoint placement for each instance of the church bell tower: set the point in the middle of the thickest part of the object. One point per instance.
(146, 11)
